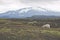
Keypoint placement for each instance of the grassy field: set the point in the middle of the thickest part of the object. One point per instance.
(26, 30)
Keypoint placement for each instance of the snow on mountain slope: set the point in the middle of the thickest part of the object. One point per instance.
(27, 12)
(30, 8)
(32, 11)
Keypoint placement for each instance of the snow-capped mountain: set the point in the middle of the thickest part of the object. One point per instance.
(28, 12)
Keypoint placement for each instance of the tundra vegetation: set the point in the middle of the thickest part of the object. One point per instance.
(29, 29)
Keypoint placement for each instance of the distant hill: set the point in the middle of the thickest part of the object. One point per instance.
(43, 17)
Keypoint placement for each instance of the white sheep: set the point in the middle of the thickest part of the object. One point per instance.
(46, 26)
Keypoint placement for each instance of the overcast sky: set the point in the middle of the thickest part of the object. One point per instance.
(6, 5)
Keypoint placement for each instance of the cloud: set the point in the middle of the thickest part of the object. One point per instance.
(29, 1)
(53, 5)
(6, 5)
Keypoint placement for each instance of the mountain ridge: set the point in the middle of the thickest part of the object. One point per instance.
(27, 12)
